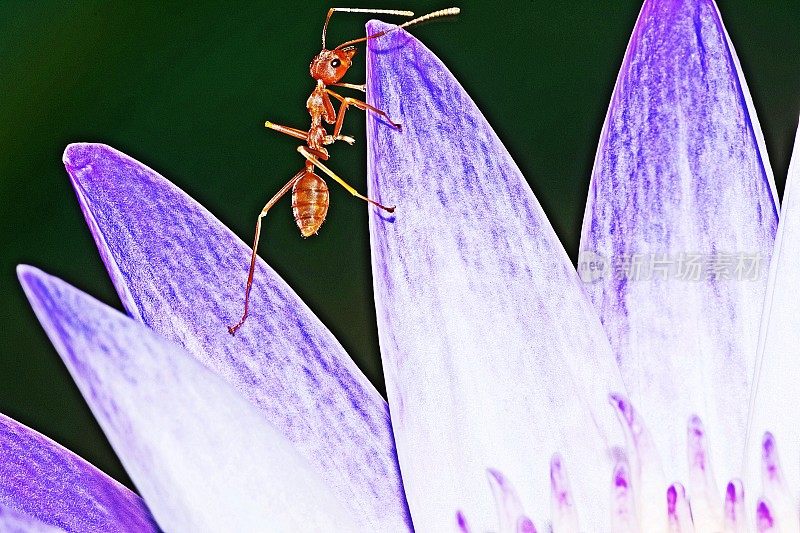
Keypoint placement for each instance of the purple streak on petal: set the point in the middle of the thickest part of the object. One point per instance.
(681, 169)
(776, 395)
(771, 465)
(706, 502)
(646, 475)
(672, 500)
(492, 354)
(202, 456)
(678, 511)
(563, 515)
(526, 525)
(461, 522)
(623, 503)
(764, 519)
(735, 515)
(182, 272)
(509, 508)
(49, 483)
(783, 501)
(14, 521)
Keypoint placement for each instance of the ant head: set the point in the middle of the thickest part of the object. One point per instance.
(331, 65)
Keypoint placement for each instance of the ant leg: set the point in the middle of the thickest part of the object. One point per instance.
(251, 272)
(330, 139)
(347, 101)
(294, 132)
(360, 87)
(316, 162)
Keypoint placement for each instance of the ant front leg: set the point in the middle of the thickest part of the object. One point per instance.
(288, 130)
(303, 135)
(347, 101)
(360, 87)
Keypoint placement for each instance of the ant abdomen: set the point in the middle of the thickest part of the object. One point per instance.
(309, 203)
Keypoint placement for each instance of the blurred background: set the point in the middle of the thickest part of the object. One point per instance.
(186, 90)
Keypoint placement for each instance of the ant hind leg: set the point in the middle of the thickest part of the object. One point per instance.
(254, 256)
(317, 163)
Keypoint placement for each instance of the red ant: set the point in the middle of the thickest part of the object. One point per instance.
(309, 191)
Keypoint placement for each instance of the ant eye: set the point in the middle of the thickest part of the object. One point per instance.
(335, 63)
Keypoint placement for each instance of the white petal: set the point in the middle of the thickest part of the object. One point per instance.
(776, 404)
(682, 206)
(493, 356)
(203, 457)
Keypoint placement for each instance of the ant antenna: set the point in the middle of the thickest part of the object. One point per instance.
(450, 11)
(359, 10)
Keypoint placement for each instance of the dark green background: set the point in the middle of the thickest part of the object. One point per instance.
(186, 90)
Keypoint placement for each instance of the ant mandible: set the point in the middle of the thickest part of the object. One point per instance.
(309, 191)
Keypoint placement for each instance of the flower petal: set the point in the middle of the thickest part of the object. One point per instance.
(681, 180)
(509, 509)
(492, 354)
(776, 394)
(735, 513)
(13, 521)
(182, 273)
(643, 466)
(678, 511)
(704, 497)
(203, 457)
(563, 515)
(48, 483)
(623, 502)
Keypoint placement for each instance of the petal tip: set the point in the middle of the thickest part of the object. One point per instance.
(29, 278)
(79, 155)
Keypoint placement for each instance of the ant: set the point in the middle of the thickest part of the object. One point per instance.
(310, 198)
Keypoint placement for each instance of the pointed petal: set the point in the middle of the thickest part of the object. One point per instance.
(681, 181)
(703, 495)
(13, 521)
(509, 509)
(735, 514)
(623, 502)
(202, 456)
(776, 393)
(645, 468)
(765, 522)
(181, 272)
(678, 512)
(563, 515)
(492, 355)
(51, 484)
(782, 505)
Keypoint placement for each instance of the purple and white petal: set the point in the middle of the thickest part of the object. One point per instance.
(624, 516)
(707, 507)
(510, 511)
(682, 210)
(182, 272)
(776, 393)
(735, 520)
(563, 514)
(50, 484)
(643, 465)
(14, 521)
(492, 354)
(203, 458)
(678, 512)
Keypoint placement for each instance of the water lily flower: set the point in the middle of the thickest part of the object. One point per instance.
(500, 360)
